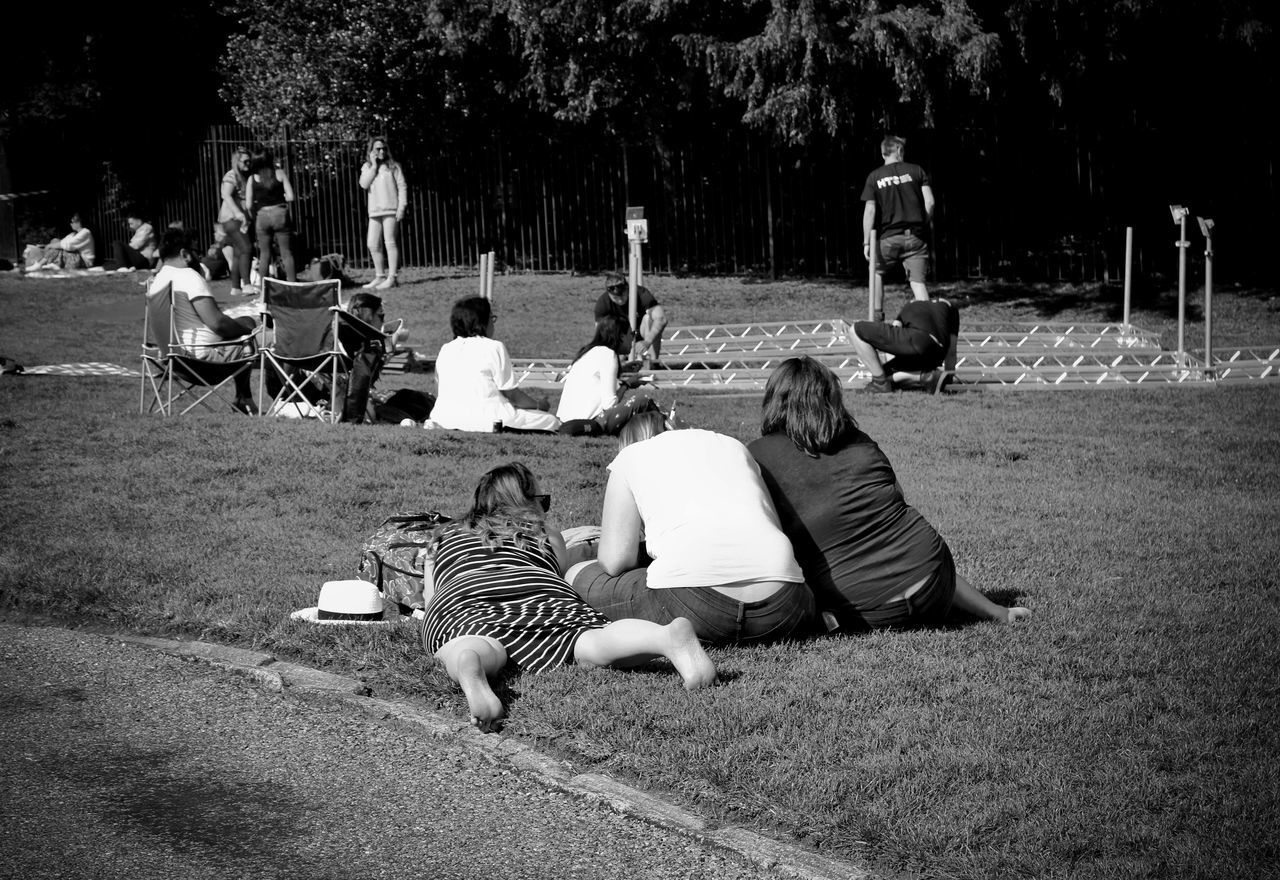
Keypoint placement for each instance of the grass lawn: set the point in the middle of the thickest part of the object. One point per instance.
(1130, 730)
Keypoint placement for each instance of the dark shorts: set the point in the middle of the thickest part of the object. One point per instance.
(905, 249)
(928, 606)
(716, 618)
(913, 350)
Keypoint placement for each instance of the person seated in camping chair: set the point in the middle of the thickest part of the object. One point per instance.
(197, 319)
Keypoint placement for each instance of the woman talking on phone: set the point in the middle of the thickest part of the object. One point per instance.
(383, 178)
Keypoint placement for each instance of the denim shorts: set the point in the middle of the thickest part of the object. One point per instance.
(905, 249)
(717, 618)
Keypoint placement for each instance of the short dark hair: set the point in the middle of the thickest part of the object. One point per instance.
(804, 400)
(263, 160)
(470, 317)
(614, 280)
(173, 243)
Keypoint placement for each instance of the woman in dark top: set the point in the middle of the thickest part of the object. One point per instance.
(269, 195)
(871, 559)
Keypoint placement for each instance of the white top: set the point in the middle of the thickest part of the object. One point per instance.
(708, 519)
(591, 386)
(188, 285)
(470, 374)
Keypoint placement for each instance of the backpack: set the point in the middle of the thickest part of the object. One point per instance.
(393, 558)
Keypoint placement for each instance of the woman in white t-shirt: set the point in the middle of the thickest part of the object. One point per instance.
(475, 385)
(688, 530)
(594, 400)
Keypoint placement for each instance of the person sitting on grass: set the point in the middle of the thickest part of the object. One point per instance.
(922, 341)
(140, 251)
(688, 530)
(594, 400)
(75, 251)
(871, 559)
(497, 595)
(197, 320)
(475, 383)
(616, 302)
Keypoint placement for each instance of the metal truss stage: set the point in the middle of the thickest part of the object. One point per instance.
(1005, 354)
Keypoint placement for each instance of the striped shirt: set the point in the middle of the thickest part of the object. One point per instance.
(510, 594)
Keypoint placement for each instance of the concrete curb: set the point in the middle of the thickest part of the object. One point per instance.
(279, 676)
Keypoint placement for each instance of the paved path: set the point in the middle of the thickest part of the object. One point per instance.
(139, 761)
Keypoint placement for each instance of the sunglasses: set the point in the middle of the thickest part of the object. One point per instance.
(544, 501)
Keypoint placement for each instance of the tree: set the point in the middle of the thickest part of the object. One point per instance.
(342, 69)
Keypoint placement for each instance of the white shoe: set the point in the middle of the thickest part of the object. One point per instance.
(387, 283)
(125, 269)
(377, 279)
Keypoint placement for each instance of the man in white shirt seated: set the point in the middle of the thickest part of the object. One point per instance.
(197, 319)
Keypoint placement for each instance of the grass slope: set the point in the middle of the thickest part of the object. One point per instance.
(1130, 730)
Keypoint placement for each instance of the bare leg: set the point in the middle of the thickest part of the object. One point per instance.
(967, 598)
(375, 247)
(470, 660)
(631, 641)
(390, 238)
(919, 290)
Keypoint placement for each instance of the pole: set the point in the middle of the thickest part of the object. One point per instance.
(1182, 286)
(483, 293)
(488, 278)
(1128, 273)
(1206, 226)
(633, 286)
(872, 251)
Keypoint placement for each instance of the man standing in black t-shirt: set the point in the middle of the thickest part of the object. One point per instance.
(614, 301)
(922, 341)
(899, 206)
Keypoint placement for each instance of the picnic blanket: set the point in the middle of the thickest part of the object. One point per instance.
(81, 369)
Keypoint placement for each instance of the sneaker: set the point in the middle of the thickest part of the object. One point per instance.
(878, 386)
(125, 269)
(934, 380)
(387, 283)
(377, 279)
(235, 291)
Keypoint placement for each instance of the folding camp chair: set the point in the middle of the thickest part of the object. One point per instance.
(313, 341)
(188, 375)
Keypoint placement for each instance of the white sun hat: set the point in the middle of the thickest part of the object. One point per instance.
(347, 603)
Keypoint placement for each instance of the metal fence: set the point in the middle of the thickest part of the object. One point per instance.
(1042, 208)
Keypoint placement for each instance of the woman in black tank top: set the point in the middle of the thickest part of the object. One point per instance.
(268, 198)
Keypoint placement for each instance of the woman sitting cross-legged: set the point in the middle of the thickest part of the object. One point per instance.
(688, 530)
(594, 400)
(475, 385)
(872, 560)
(499, 596)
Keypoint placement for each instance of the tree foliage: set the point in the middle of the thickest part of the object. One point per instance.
(799, 69)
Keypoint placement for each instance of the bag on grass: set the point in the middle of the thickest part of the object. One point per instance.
(394, 558)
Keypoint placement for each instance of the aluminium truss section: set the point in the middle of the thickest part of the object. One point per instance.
(694, 343)
(1246, 364)
(1056, 335)
(691, 345)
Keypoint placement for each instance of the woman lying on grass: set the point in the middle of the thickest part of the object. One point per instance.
(871, 559)
(499, 595)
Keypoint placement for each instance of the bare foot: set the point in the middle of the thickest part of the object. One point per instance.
(486, 708)
(688, 656)
(1017, 614)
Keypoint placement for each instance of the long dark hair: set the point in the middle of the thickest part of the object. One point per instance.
(263, 162)
(504, 509)
(611, 332)
(804, 400)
